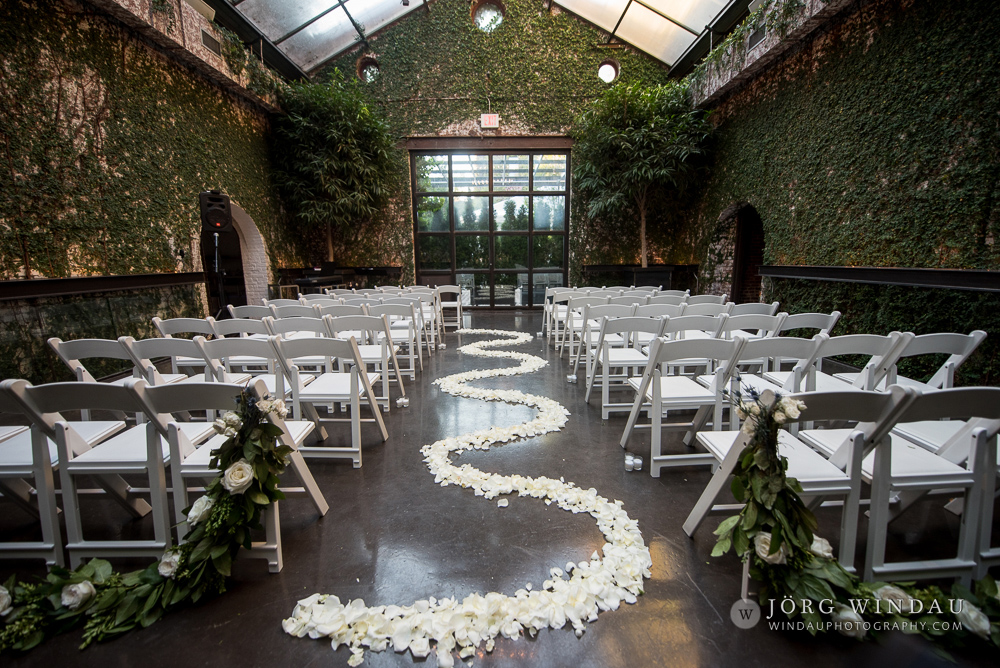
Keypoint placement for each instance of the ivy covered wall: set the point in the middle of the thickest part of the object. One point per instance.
(878, 144)
(537, 69)
(107, 144)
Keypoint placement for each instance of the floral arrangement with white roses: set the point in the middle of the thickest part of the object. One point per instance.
(107, 603)
(775, 530)
(572, 596)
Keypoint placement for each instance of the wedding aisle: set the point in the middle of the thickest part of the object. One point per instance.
(394, 536)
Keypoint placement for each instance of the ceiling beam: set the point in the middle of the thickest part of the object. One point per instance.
(308, 23)
(227, 16)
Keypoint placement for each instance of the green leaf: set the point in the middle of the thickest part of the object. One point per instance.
(259, 498)
(722, 547)
(223, 563)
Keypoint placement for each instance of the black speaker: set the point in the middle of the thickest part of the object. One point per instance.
(216, 216)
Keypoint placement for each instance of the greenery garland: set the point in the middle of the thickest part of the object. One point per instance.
(107, 603)
(775, 530)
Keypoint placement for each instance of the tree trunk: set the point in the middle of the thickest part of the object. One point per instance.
(329, 241)
(642, 230)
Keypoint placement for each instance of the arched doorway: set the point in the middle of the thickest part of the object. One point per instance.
(223, 261)
(243, 264)
(748, 256)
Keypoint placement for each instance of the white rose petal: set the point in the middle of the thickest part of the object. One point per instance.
(169, 563)
(201, 510)
(974, 620)
(821, 547)
(589, 588)
(851, 623)
(6, 602)
(75, 595)
(238, 477)
(762, 545)
(898, 598)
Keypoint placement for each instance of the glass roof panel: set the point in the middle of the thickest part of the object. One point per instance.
(654, 34)
(603, 13)
(325, 37)
(694, 14)
(277, 18)
(374, 14)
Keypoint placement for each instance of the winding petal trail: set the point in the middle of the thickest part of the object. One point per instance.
(575, 596)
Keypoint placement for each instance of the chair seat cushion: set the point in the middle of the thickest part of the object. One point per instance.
(929, 434)
(129, 447)
(623, 357)
(911, 461)
(16, 455)
(824, 382)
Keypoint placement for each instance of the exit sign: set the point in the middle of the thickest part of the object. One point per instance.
(489, 120)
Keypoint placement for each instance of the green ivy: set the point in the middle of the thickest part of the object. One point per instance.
(876, 145)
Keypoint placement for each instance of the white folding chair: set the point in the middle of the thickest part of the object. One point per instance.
(693, 300)
(619, 347)
(27, 460)
(245, 328)
(142, 352)
(823, 322)
(558, 312)
(189, 460)
(751, 326)
(135, 451)
(819, 478)
(336, 310)
(374, 339)
(249, 311)
(592, 317)
(293, 311)
(194, 326)
(958, 347)
(754, 309)
(709, 309)
(882, 353)
(71, 352)
(270, 303)
(450, 298)
(222, 355)
(405, 332)
(330, 389)
(668, 293)
(898, 466)
(667, 300)
(574, 322)
(666, 392)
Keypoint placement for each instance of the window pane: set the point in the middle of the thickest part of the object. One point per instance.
(549, 172)
(472, 251)
(475, 289)
(434, 251)
(548, 251)
(511, 251)
(510, 213)
(432, 173)
(539, 282)
(432, 214)
(510, 172)
(509, 289)
(549, 213)
(472, 213)
(471, 172)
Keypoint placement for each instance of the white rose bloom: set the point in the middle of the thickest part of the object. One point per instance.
(791, 407)
(897, 596)
(851, 623)
(6, 602)
(220, 427)
(238, 477)
(821, 547)
(232, 420)
(974, 620)
(201, 510)
(762, 545)
(169, 563)
(75, 595)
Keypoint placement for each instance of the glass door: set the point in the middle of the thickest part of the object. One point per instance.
(493, 222)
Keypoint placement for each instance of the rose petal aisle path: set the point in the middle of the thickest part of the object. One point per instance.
(575, 595)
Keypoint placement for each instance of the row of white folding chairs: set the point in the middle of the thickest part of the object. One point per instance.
(565, 320)
(406, 335)
(705, 391)
(551, 309)
(835, 462)
(106, 450)
(308, 371)
(622, 339)
(427, 305)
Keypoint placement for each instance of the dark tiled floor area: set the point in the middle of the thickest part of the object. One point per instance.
(393, 536)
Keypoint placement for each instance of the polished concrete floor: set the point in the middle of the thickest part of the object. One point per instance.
(393, 536)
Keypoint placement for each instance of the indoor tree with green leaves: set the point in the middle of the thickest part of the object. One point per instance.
(632, 140)
(332, 154)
